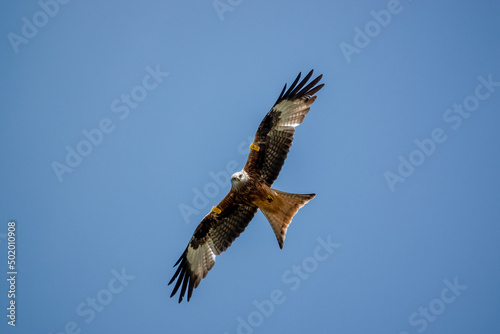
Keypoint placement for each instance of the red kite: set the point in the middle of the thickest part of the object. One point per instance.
(251, 189)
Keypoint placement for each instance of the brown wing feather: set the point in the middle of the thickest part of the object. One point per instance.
(213, 235)
(216, 232)
(274, 136)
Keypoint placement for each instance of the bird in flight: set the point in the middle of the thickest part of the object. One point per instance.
(251, 189)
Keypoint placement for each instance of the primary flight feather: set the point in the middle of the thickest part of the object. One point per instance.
(251, 189)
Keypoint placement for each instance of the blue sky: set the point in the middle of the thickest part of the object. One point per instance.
(116, 119)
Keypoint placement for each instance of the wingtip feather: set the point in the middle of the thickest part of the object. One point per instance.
(302, 89)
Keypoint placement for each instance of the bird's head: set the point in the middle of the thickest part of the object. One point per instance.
(238, 178)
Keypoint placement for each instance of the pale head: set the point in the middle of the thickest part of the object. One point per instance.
(239, 178)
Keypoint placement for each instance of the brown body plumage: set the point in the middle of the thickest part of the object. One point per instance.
(251, 189)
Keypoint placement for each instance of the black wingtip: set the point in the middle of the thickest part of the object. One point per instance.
(303, 89)
(182, 274)
(281, 94)
(292, 86)
(302, 83)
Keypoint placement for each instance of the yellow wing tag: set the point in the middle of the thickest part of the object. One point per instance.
(216, 210)
(254, 147)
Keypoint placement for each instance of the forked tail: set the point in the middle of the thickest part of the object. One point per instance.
(281, 208)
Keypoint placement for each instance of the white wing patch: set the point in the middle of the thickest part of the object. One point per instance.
(292, 112)
(200, 260)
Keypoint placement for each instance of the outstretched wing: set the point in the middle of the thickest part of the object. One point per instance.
(213, 235)
(275, 134)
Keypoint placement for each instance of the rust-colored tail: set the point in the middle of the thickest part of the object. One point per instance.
(281, 208)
